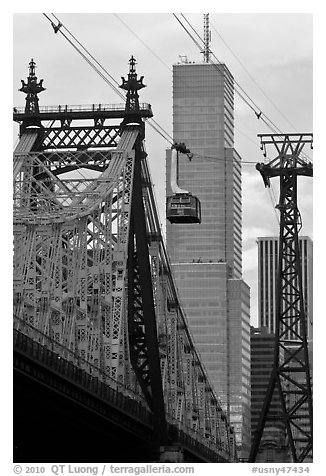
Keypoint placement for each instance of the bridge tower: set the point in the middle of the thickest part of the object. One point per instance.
(142, 331)
(290, 377)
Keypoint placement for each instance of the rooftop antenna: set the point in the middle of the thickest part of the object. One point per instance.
(207, 38)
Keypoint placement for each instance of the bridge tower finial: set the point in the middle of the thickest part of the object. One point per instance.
(132, 86)
(31, 88)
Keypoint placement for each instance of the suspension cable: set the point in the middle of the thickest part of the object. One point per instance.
(80, 44)
(159, 129)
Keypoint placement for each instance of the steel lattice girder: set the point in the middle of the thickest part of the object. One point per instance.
(143, 341)
(81, 137)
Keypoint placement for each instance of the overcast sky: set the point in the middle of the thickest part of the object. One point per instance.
(269, 55)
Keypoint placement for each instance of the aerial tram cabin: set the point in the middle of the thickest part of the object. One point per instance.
(182, 206)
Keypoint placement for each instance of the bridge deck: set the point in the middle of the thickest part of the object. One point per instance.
(81, 401)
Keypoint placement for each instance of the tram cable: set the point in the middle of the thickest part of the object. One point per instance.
(218, 65)
(93, 58)
(242, 93)
(251, 77)
(91, 62)
(142, 42)
(238, 88)
(58, 28)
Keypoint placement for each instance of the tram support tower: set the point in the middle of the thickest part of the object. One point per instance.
(291, 376)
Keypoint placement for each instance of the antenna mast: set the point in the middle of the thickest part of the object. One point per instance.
(207, 38)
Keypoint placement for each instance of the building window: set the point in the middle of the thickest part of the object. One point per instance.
(269, 455)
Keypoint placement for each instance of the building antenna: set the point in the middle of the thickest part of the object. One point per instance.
(207, 38)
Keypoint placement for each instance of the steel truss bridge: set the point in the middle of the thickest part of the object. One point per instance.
(105, 368)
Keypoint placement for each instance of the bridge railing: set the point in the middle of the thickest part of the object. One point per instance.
(194, 439)
(68, 108)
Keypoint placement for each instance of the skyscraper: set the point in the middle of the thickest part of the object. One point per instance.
(267, 279)
(273, 445)
(267, 275)
(206, 258)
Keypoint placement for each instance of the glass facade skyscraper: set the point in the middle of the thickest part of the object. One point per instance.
(207, 258)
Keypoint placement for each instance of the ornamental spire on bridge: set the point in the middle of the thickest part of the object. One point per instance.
(132, 85)
(31, 89)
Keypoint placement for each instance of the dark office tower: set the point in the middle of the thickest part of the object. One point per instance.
(273, 446)
(207, 257)
(267, 274)
(303, 414)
